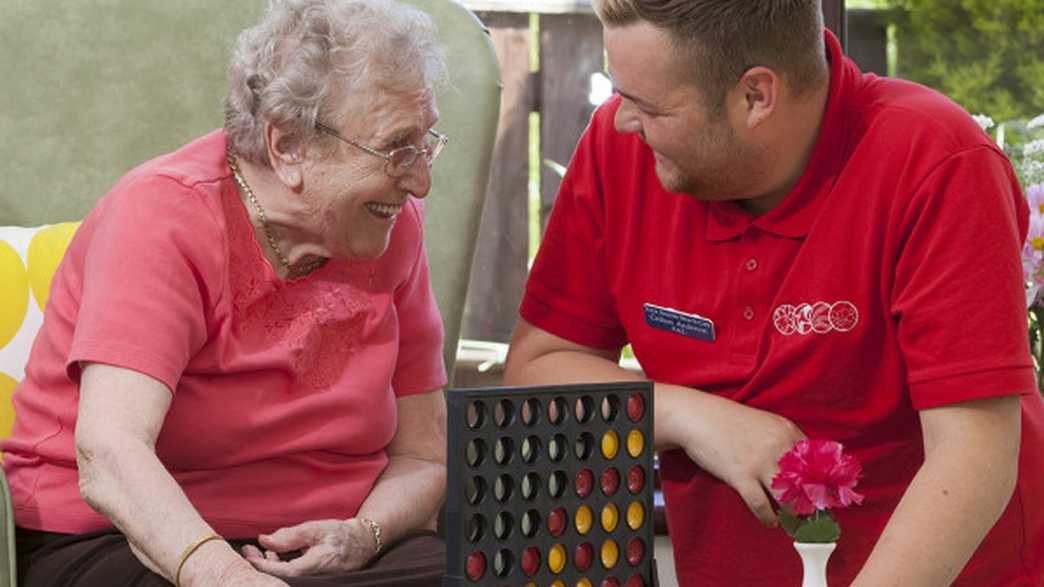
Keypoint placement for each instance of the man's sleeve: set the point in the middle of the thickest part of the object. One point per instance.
(959, 295)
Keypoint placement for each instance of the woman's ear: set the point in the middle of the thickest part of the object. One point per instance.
(759, 87)
(286, 154)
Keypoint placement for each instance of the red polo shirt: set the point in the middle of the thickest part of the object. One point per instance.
(887, 281)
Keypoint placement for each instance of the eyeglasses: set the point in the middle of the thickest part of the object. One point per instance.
(400, 160)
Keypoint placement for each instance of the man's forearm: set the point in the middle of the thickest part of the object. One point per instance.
(735, 443)
(676, 408)
(952, 503)
(565, 366)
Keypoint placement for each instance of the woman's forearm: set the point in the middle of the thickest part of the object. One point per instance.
(119, 418)
(122, 478)
(407, 496)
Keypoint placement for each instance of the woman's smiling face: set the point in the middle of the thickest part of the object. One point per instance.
(352, 201)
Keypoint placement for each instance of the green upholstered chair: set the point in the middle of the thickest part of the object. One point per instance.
(94, 87)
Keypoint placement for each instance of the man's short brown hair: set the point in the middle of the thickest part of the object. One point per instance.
(721, 39)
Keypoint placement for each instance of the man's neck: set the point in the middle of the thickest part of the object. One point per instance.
(794, 141)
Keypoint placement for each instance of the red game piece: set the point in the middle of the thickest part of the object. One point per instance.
(610, 582)
(635, 479)
(610, 481)
(635, 551)
(476, 565)
(584, 483)
(635, 581)
(635, 407)
(531, 561)
(583, 556)
(556, 521)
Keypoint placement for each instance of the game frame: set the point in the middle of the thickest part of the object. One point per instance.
(518, 458)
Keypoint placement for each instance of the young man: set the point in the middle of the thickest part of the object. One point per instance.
(795, 248)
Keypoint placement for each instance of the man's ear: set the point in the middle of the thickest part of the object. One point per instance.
(759, 89)
(286, 153)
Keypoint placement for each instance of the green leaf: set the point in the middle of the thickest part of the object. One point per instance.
(789, 521)
(820, 527)
(556, 167)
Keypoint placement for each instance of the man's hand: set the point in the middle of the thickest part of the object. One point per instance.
(736, 443)
(328, 547)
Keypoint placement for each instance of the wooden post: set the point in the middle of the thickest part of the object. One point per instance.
(868, 40)
(499, 268)
(570, 51)
(834, 19)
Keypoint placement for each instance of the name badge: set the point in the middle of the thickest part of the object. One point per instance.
(683, 323)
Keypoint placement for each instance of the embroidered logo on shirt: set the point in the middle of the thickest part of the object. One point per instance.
(819, 318)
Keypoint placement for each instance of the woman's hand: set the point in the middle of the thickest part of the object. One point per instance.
(217, 563)
(328, 547)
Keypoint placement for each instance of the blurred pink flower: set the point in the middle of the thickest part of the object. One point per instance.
(816, 475)
(1035, 195)
(1033, 249)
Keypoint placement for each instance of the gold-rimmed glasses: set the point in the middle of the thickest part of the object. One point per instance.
(398, 161)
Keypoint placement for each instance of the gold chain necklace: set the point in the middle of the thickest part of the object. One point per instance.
(304, 270)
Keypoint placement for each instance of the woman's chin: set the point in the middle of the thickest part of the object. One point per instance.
(370, 250)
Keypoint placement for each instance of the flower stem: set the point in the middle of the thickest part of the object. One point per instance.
(1036, 332)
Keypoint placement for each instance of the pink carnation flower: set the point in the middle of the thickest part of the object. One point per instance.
(815, 475)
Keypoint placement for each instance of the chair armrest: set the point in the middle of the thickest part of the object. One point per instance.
(8, 574)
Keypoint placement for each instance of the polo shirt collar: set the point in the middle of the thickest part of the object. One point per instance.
(794, 215)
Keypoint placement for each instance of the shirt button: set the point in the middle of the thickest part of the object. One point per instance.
(748, 313)
(751, 264)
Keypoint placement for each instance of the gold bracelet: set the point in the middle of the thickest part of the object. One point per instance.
(188, 552)
(376, 530)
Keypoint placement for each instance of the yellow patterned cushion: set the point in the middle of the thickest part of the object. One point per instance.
(28, 259)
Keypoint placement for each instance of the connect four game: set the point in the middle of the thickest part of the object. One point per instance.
(550, 486)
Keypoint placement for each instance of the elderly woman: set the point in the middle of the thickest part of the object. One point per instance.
(238, 377)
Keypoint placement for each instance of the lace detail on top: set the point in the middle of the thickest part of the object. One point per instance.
(320, 317)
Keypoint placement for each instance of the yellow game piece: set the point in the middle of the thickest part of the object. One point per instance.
(610, 517)
(635, 443)
(556, 559)
(584, 517)
(610, 444)
(610, 554)
(635, 515)
(531, 585)
(557, 584)
(584, 583)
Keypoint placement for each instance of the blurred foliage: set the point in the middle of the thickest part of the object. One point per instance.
(987, 55)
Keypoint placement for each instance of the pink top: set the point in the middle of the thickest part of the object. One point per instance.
(284, 392)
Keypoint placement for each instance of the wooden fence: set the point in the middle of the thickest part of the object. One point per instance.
(569, 51)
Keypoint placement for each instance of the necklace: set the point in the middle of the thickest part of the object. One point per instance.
(305, 269)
